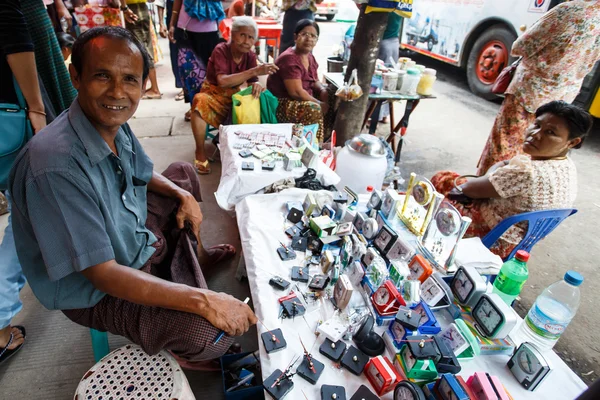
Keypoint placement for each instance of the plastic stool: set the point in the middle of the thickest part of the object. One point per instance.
(99, 344)
(129, 373)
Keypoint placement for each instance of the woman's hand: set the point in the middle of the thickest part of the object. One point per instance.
(266, 69)
(38, 121)
(257, 89)
(130, 16)
(62, 12)
(163, 31)
(172, 34)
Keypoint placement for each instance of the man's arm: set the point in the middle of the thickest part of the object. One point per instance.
(220, 309)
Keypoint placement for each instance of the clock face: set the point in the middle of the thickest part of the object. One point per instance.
(462, 285)
(430, 290)
(446, 391)
(422, 193)
(404, 393)
(398, 330)
(416, 270)
(488, 316)
(447, 221)
(399, 251)
(409, 360)
(528, 362)
(375, 200)
(382, 296)
(454, 339)
(383, 239)
(420, 309)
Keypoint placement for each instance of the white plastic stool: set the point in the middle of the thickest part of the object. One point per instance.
(129, 373)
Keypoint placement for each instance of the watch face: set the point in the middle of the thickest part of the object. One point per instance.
(382, 296)
(447, 221)
(416, 270)
(422, 193)
(446, 391)
(454, 339)
(488, 316)
(419, 309)
(404, 393)
(528, 362)
(398, 330)
(462, 285)
(430, 289)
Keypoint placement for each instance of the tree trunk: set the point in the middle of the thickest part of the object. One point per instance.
(364, 50)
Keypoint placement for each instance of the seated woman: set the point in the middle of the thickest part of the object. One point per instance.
(302, 98)
(230, 65)
(543, 179)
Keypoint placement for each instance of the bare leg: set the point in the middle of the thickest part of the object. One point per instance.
(215, 254)
(199, 130)
(153, 91)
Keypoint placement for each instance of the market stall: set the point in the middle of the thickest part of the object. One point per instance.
(265, 229)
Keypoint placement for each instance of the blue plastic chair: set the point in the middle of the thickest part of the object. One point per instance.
(541, 223)
(99, 344)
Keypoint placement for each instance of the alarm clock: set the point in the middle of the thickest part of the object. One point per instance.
(417, 358)
(428, 324)
(391, 201)
(342, 292)
(494, 319)
(447, 361)
(400, 250)
(375, 200)
(398, 334)
(481, 386)
(385, 238)
(420, 269)
(406, 390)
(381, 374)
(459, 338)
(468, 286)
(386, 299)
(370, 228)
(448, 388)
(432, 292)
(420, 204)
(529, 366)
(359, 221)
(408, 318)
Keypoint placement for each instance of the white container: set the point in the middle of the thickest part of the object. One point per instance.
(361, 163)
(410, 82)
(390, 81)
(428, 78)
(401, 75)
(551, 313)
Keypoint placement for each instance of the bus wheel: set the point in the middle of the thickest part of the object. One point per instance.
(488, 57)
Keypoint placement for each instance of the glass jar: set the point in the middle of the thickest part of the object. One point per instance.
(425, 87)
(410, 82)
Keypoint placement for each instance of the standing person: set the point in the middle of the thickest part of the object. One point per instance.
(57, 11)
(194, 26)
(557, 53)
(137, 20)
(48, 57)
(16, 60)
(295, 11)
(164, 32)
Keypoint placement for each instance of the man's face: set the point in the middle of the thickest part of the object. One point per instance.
(110, 84)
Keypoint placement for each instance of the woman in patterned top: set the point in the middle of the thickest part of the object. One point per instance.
(558, 52)
(543, 178)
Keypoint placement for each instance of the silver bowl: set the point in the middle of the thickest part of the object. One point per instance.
(366, 144)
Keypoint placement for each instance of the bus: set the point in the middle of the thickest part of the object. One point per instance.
(475, 35)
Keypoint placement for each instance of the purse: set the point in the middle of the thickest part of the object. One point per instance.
(505, 77)
(15, 131)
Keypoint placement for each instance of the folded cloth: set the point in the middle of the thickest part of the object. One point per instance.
(471, 252)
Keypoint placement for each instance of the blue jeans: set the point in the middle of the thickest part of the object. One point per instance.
(12, 279)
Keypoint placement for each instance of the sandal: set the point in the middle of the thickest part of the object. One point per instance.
(6, 353)
(152, 96)
(227, 251)
(180, 96)
(202, 167)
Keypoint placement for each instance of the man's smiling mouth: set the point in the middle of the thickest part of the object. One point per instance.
(115, 108)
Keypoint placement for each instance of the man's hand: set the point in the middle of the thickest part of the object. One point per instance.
(163, 30)
(130, 16)
(266, 69)
(189, 210)
(172, 34)
(38, 121)
(227, 313)
(257, 89)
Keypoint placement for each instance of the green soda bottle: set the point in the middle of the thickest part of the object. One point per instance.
(512, 277)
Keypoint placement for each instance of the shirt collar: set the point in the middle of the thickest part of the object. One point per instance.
(96, 148)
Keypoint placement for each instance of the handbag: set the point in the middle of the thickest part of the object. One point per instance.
(15, 131)
(505, 77)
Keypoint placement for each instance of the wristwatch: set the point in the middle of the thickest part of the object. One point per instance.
(124, 9)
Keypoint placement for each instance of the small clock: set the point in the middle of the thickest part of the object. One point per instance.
(481, 386)
(400, 250)
(431, 292)
(529, 366)
(369, 256)
(370, 228)
(468, 286)
(342, 292)
(448, 388)
(386, 299)
(459, 338)
(494, 319)
(417, 358)
(406, 390)
(420, 269)
(391, 201)
(447, 361)
(398, 333)
(375, 200)
(385, 239)
(420, 204)
(428, 324)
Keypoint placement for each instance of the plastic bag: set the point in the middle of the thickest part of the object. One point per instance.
(350, 91)
(246, 108)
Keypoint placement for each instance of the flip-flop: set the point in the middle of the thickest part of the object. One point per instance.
(152, 97)
(202, 167)
(5, 353)
(227, 251)
(180, 96)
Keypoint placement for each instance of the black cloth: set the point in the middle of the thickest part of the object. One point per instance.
(14, 38)
(290, 20)
(203, 43)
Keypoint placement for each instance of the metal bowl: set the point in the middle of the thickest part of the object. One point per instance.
(366, 144)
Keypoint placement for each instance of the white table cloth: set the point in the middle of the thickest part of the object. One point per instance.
(236, 184)
(261, 221)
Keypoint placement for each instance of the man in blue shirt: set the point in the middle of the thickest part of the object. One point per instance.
(81, 194)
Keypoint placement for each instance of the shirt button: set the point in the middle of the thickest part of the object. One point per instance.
(137, 219)
(119, 172)
(124, 197)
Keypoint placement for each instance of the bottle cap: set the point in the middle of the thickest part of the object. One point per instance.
(413, 71)
(574, 278)
(522, 255)
(369, 189)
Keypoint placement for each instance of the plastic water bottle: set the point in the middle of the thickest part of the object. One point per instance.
(512, 277)
(551, 313)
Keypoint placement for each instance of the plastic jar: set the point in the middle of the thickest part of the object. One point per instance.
(390, 81)
(410, 64)
(403, 63)
(425, 87)
(410, 82)
(401, 75)
(420, 67)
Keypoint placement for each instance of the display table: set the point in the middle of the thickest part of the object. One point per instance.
(337, 79)
(236, 184)
(261, 222)
(267, 29)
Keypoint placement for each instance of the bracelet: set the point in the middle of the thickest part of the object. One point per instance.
(37, 112)
(174, 12)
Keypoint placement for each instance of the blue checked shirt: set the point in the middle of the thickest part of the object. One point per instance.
(76, 204)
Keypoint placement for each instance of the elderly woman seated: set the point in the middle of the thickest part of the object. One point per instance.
(543, 178)
(230, 66)
(302, 98)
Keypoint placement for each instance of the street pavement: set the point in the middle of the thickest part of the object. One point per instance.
(445, 133)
